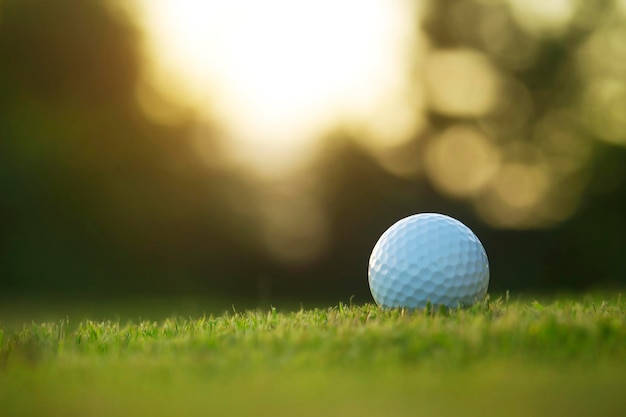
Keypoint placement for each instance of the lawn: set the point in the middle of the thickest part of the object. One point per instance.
(509, 358)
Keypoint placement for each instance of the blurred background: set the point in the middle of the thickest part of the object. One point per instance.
(259, 148)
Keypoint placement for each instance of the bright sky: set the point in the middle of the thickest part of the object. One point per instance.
(275, 75)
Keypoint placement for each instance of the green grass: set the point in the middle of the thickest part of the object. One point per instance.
(499, 358)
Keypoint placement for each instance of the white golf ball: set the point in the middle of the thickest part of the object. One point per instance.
(428, 258)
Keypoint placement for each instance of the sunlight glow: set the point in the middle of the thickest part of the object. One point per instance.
(543, 16)
(461, 82)
(275, 75)
(461, 161)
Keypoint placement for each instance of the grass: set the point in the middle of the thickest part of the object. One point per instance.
(501, 357)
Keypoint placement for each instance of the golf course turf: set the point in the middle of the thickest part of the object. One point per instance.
(566, 356)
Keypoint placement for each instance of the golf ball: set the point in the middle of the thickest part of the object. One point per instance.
(428, 258)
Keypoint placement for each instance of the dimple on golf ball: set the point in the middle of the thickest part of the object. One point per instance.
(428, 258)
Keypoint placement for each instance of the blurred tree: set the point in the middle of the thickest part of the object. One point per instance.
(525, 144)
(94, 195)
